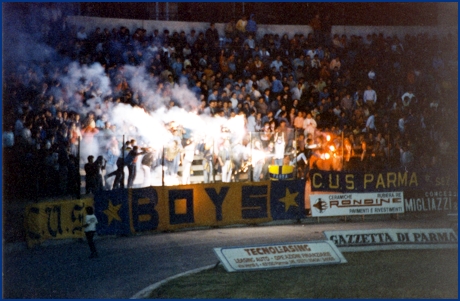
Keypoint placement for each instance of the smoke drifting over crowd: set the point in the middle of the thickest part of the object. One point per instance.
(88, 88)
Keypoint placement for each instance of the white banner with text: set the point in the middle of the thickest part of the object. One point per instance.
(357, 204)
(393, 239)
(274, 256)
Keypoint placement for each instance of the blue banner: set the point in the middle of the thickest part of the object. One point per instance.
(144, 214)
(112, 211)
(287, 199)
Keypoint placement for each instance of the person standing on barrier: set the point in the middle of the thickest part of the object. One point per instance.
(119, 173)
(147, 163)
(257, 160)
(225, 162)
(131, 161)
(188, 154)
(279, 147)
(208, 161)
(100, 166)
(91, 175)
(172, 157)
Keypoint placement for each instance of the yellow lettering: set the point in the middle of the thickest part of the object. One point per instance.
(391, 179)
(314, 180)
(402, 179)
(336, 180)
(180, 206)
(413, 179)
(380, 181)
(349, 179)
(368, 178)
(143, 201)
(144, 217)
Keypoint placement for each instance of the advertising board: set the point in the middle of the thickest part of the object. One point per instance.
(275, 256)
(393, 239)
(357, 204)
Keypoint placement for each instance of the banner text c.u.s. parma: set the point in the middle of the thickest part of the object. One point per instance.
(349, 182)
(127, 211)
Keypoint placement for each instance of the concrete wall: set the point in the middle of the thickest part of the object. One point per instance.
(92, 22)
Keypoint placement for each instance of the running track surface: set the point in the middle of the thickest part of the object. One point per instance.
(126, 265)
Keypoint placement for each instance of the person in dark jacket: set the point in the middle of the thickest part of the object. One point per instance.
(91, 175)
(212, 35)
(130, 161)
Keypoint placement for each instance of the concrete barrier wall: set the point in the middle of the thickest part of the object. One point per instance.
(92, 22)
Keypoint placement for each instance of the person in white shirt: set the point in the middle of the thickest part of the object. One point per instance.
(258, 160)
(279, 148)
(90, 230)
(309, 125)
(250, 41)
(153, 48)
(251, 122)
(255, 93)
(224, 159)
(315, 62)
(234, 101)
(81, 34)
(370, 96)
(311, 53)
(296, 92)
(264, 55)
(370, 123)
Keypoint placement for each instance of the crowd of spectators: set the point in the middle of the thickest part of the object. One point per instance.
(393, 99)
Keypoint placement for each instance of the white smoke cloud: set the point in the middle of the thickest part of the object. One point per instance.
(147, 123)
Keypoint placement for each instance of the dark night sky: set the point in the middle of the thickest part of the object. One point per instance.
(290, 13)
(342, 13)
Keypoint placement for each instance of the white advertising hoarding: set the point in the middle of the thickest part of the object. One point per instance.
(356, 203)
(274, 256)
(393, 239)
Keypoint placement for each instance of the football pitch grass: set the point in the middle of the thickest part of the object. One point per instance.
(421, 274)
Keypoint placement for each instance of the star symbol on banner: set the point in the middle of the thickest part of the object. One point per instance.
(112, 212)
(289, 200)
